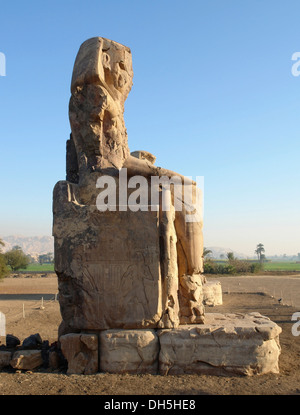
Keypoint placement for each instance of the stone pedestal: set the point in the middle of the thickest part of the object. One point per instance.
(129, 351)
(227, 344)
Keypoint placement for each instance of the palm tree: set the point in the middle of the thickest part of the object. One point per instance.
(206, 252)
(259, 252)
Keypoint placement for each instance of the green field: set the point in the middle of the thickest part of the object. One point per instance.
(281, 266)
(38, 268)
(268, 266)
(272, 265)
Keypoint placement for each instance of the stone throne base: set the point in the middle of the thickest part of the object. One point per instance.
(227, 344)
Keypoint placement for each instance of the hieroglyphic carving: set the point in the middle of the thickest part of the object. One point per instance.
(116, 277)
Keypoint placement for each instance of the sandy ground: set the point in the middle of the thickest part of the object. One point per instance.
(286, 287)
(240, 295)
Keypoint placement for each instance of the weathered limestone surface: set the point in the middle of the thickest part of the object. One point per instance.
(109, 271)
(226, 344)
(144, 155)
(117, 269)
(27, 359)
(81, 352)
(191, 299)
(101, 81)
(129, 351)
(212, 293)
(5, 358)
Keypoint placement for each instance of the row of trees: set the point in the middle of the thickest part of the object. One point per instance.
(260, 249)
(233, 265)
(46, 258)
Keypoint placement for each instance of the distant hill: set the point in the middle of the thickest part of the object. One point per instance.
(33, 245)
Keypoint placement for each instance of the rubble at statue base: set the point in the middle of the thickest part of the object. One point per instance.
(130, 280)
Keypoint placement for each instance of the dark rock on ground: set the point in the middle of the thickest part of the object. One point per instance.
(12, 341)
(32, 341)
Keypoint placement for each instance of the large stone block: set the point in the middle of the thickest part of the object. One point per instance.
(129, 351)
(81, 352)
(212, 293)
(226, 344)
(27, 359)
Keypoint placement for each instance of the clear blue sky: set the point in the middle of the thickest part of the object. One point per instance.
(213, 96)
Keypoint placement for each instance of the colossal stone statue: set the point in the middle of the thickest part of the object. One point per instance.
(128, 249)
(118, 268)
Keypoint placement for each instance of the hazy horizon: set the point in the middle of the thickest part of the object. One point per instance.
(218, 247)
